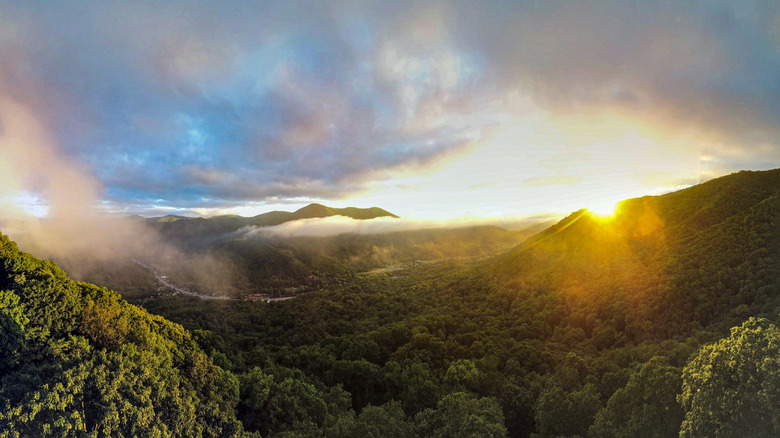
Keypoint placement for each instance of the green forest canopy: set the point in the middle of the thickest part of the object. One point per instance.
(657, 323)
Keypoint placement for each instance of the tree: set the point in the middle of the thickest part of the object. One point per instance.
(272, 407)
(386, 421)
(462, 374)
(12, 324)
(462, 414)
(562, 412)
(732, 387)
(104, 322)
(130, 374)
(645, 407)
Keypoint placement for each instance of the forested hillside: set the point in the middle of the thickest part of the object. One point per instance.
(269, 263)
(660, 321)
(77, 360)
(594, 327)
(237, 264)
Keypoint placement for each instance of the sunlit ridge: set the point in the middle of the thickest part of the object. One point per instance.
(604, 211)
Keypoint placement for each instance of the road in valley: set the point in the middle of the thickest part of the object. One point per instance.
(163, 279)
(167, 283)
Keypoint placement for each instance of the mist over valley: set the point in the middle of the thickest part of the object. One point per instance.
(399, 219)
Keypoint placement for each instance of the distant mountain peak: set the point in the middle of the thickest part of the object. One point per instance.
(315, 210)
(169, 218)
(179, 226)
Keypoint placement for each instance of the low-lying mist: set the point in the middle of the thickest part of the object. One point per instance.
(84, 240)
(336, 225)
(121, 253)
(129, 255)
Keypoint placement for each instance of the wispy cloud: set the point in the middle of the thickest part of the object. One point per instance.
(553, 180)
(198, 105)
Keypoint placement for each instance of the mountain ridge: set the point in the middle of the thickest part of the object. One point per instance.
(183, 227)
(594, 327)
(654, 247)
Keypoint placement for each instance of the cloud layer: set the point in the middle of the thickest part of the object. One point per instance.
(335, 225)
(134, 106)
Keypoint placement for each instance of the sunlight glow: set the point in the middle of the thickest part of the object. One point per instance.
(605, 211)
(29, 203)
(546, 163)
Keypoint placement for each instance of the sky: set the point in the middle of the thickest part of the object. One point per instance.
(427, 109)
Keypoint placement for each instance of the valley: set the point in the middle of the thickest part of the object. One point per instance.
(564, 326)
(166, 283)
(389, 219)
(592, 327)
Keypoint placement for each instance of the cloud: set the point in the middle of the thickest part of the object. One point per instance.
(706, 66)
(553, 180)
(32, 162)
(335, 225)
(204, 106)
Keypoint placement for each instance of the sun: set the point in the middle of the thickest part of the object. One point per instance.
(605, 210)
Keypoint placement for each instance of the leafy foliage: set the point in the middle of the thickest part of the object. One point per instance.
(582, 330)
(590, 328)
(732, 387)
(646, 406)
(463, 415)
(79, 361)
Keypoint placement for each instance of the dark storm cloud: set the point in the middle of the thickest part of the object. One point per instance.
(213, 104)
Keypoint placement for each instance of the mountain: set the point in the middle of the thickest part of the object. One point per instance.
(168, 218)
(659, 321)
(77, 360)
(710, 251)
(179, 227)
(268, 263)
(239, 264)
(235, 256)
